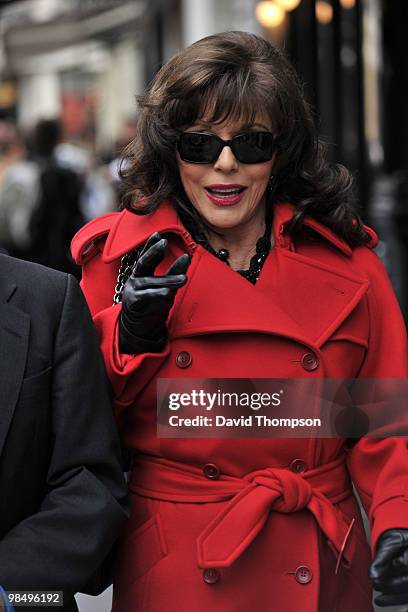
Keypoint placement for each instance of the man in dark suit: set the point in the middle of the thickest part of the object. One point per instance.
(62, 491)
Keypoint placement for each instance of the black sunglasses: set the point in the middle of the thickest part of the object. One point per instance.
(204, 148)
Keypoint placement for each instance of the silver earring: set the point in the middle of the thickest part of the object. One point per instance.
(271, 182)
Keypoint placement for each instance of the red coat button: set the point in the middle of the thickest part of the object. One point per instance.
(298, 466)
(310, 362)
(303, 574)
(211, 471)
(183, 359)
(211, 575)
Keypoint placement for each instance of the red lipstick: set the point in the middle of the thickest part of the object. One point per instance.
(223, 194)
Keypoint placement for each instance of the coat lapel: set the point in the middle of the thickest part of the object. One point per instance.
(317, 296)
(295, 297)
(218, 299)
(14, 336)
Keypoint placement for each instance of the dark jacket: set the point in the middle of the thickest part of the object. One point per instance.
(63, 496)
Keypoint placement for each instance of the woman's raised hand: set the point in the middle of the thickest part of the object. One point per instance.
(147, 299)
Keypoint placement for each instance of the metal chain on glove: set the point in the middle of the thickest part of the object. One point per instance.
(127, 263)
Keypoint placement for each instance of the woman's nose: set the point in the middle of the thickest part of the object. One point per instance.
(227, 162)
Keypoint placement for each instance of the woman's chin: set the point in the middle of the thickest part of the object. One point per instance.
(224, 219)
(224, 224)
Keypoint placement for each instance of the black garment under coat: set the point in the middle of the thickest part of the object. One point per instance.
(62, 492)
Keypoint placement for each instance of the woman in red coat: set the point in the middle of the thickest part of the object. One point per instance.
(238, 255)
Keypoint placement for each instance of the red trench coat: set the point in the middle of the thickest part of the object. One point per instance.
(271, 526)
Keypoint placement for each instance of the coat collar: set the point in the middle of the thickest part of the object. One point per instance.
(129, 231)
(292, 287)
(283, 213)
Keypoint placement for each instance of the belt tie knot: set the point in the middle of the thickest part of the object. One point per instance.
(292, 491)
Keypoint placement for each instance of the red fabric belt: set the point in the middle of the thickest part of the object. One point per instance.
(251, 499)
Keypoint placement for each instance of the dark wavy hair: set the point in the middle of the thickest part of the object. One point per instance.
(234, 76)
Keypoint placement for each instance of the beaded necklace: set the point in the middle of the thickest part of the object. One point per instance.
(263, 246)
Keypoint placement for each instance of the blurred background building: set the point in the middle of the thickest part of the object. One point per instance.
(70, 71)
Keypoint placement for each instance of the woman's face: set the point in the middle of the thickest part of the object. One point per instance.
(204, 183)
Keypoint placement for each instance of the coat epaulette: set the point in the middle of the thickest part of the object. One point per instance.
(85, 242)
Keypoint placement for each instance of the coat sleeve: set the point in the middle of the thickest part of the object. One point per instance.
(379, 466)
(85, 501)
(128, 374)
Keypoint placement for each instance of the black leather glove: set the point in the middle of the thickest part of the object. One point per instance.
(147, 299)
(389, 570)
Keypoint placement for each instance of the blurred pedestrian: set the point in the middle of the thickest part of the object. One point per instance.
(57, 215)
(126, 135)
(19, 192)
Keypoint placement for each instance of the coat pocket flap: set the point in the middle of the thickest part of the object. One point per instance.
(140, 551)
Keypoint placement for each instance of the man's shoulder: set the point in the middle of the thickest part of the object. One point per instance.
(34, 281)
